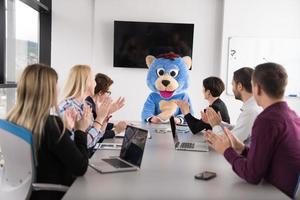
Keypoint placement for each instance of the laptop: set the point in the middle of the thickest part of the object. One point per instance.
(122, 134)
(131, 153)
(186, 146)
(108, 146)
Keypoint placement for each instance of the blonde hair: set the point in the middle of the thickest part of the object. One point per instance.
(77, 83)
(36, 94)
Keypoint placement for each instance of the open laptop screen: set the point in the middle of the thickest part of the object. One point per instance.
(173, 126)
(133, 145)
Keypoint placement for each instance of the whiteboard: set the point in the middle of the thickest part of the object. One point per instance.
(251, 51)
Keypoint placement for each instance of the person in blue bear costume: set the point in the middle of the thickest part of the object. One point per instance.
(168, 78)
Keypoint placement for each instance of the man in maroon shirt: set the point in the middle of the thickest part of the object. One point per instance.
(274, 153)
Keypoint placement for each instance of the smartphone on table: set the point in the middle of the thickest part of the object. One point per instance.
(206, 175)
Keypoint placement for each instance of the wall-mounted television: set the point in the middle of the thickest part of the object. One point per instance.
(133, 41)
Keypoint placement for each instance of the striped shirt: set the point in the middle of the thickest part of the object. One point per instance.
(93, 134)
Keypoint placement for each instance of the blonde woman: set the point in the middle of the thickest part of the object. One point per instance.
(80, 84)
(60, 159)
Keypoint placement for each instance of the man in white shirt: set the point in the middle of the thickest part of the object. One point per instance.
(242, 90)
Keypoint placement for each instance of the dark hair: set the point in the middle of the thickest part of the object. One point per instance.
(103, 82)
(272, 78)
(215, 85)
(243, 76)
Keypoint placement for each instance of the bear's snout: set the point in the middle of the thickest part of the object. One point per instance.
(165, 82)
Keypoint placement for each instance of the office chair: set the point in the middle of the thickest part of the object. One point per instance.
(18, 164)
(297, 190)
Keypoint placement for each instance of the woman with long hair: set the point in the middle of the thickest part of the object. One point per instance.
(79, 85)
(60, 160)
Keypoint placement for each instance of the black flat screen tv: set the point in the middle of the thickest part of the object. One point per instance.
(133, 41)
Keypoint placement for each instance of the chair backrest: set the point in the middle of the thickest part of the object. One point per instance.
(297, 190)
(17, 158)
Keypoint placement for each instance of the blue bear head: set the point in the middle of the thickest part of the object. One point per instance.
(168, 74)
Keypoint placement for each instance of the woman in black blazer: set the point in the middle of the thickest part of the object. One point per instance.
(61, 155)
(213, 87)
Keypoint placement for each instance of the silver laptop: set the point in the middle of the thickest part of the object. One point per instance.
(108, 146)
(186, 146)
(131, 153)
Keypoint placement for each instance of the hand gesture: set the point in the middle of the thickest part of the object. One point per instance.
(117, 105)
(85, 120)
(204, 117)
(213, 117)
(103, 108)
(155, 120)
(177, 120)
(69, 118)
(184, 106)
(120, 127)
(236, 144)
(218, 142)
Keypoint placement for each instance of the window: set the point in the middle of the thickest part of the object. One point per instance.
(25, 38)
(6, 95)
(22, 38)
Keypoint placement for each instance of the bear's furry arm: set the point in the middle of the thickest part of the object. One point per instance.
(148, 109)
(191, 107)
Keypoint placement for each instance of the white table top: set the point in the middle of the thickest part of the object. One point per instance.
(169, 174)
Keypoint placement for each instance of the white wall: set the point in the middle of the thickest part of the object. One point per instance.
(259, 18)
(72, 22)
(131, 83)
(82, 32)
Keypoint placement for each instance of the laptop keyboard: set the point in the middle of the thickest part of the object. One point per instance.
(187, 145)
(116, 163)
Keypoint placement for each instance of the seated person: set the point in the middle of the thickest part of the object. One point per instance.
(60, 159)
(103, 83)
(212, 89)
(242, 90)
(274, 153)
(79, 85)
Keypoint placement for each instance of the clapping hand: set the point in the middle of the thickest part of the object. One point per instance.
(213, 117)
(184, 106)
(120, 127)
(85, 120)
(218, 142)
(221, 142)
(69, 118)
(102, 109)
(236, 144)
(117, 105)
(204, 117)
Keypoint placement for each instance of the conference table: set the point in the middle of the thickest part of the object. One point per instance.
(168, 174)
